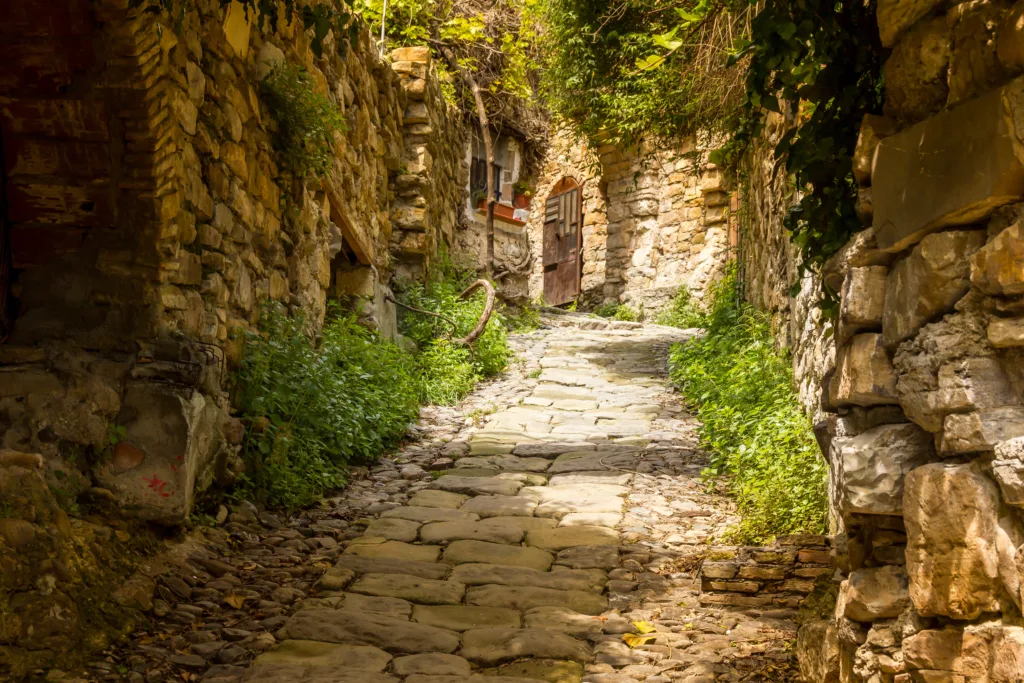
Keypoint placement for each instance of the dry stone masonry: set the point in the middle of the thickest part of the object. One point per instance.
(925, 405)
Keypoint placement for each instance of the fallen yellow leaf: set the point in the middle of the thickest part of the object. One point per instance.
(643, 626)
(633, 640)
(235, 600)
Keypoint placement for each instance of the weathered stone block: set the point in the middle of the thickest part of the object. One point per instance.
(933, 649)
(1008, 470)
(864, 374)
(173, 434)
(992, 652)
(973, 65)
(895, 16)
(872, 129)
(916, 73)
(998, 267)
(1006, 333)
(928, 282)
(960, 550)
(879, 593)
(953, 169)
(862, 301)
(980, 431)
(870, 468)
(1010, 39)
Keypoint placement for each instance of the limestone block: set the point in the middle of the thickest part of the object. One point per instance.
(418, 53)
(1006, 333)
(992, 652)
(870, 468)
(916, 73)
(895, 16)
(928, 282)
(998, 267)
(933, 649)
(878, 593)
(861, 250)
(864, 374)
(173, 434)
(872, 129)
(237, 22)
(953, 169)
(862, 300)
(973, 64)
(980, 431)
(1010, 39)
(1008, 470)
(960, 548)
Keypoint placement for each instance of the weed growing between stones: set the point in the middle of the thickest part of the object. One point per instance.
(683, 312)
(312, 409)
(618, 312)
(447, 372)
(306, 120)
(759, 440)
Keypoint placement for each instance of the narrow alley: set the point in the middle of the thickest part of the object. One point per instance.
(557, 542)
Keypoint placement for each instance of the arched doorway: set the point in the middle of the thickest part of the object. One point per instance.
(563, 235)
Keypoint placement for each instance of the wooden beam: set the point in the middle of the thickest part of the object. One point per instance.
(357, 238)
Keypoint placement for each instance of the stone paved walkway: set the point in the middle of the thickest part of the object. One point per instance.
(537, 533)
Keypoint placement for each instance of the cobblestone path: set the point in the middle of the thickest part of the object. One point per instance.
(549, 530)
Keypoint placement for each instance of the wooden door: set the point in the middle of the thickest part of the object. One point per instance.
(563, 235)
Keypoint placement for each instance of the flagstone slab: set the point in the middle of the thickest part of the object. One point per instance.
(558, 501)
(613, 477)
(592, 580)
(444, 532)
(393, 529)
(507, 462)
(431, 664)
(605, 519)
(465, 617)
(571, 537)
(390, 607)
(411, 588)
(395, 550)
(568, 621)
(549, 670)
(488, 646)
(500, 506)
(523, 524)
(353, 627)
(431, 498)
(590, 557)
(462, 552)
(314, 653)
(425, 515)
(385, 565)
(478, 486)
(551, 450)
(528, 597)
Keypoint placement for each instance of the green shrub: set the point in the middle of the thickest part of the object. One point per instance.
(683, 312)
(523, 318)
(617, 311)
(760, 441)
(306, 120)
(314, 408)
(448, 372)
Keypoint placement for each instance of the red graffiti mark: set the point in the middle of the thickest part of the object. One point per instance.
(174, 468)
(158, 485)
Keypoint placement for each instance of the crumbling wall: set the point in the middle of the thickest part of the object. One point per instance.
(652, 222)
(926, 424)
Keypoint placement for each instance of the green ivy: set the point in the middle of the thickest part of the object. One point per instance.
(761, 444)
(821, 62)
(306, 120)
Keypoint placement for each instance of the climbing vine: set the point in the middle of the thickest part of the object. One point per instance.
(819, 62)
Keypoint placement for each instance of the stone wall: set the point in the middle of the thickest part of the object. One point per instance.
(652, 222)
(778, 576)
(768, 267)
(150, 217)
(927, 397)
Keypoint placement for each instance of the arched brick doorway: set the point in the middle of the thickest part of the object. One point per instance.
(563, 235)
